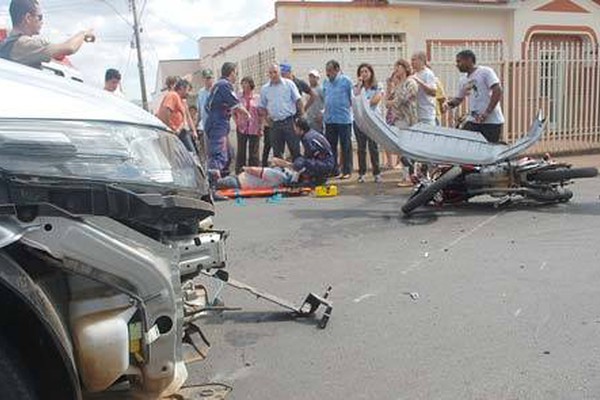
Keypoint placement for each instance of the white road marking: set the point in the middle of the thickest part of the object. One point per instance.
(472, 231)
(518, 312)
(363, 297)
(414, 266)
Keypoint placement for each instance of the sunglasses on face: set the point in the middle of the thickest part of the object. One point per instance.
(39, 17)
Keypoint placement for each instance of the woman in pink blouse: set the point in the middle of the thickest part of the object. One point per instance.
(249, 130)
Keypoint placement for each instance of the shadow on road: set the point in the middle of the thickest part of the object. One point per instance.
(430, 214)
(257, 317)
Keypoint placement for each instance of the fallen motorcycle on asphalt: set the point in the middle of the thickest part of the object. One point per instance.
(469, 166)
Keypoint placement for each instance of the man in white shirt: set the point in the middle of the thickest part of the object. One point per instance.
(112, 82)
(426, 80)
(482, 86)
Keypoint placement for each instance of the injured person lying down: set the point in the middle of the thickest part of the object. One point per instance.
(259, 178)
(313, 168)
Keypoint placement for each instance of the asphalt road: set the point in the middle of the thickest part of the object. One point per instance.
(504, 302)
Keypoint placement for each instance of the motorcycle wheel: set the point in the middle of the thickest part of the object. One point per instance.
(426, 193)
(564, 174)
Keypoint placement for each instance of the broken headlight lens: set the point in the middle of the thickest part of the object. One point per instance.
(114, 152)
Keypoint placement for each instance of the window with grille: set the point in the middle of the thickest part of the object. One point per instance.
(487, 52)
(300, 39)
(256, 66)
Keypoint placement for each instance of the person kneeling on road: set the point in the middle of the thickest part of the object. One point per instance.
(318, 161)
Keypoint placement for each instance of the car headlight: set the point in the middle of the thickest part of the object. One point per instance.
(112, 152)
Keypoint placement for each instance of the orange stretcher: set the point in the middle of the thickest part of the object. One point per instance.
(264, 192)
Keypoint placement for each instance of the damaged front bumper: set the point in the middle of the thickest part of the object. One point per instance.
(137, 328)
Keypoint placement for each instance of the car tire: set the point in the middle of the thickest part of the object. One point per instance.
(15, 383)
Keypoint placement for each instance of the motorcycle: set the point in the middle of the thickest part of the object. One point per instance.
(470, 166)
(533, 179)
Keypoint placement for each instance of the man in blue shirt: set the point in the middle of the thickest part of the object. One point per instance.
(209, 81)
(221, 101)
(337, 92)
(207, 76)
(281, 101)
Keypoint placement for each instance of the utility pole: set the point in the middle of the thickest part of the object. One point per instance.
(136, 34)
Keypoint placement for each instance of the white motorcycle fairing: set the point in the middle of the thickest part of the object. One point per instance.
(439, 145)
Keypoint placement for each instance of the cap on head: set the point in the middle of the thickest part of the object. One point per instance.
(207, 73)
(285, 68)
(314, 73)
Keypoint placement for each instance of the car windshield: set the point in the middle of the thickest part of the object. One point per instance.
(106, 151)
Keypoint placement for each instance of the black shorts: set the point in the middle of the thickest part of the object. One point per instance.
(491, 132)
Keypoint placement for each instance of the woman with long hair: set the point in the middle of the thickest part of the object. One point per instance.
(372, 91)
(402, 103)
(248, 129)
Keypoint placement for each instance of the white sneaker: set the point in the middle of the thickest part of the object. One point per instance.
(361, 179)
(378, 178)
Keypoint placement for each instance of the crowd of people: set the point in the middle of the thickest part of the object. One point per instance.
(307, 126)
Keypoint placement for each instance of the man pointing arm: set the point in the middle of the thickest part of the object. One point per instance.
(25, 46)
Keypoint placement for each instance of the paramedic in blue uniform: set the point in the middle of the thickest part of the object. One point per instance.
(318, 161)
(221, 101)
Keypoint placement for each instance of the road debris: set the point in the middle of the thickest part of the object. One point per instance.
(413, 295)
(518, 312)
(209, 391)
(363, 297)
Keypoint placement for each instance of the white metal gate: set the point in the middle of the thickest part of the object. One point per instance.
(562, 79)
(312, 51)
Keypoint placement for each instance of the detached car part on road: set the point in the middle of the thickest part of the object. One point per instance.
(100, 238)
(469, 166)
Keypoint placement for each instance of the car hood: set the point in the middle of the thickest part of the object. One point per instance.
(29, 93)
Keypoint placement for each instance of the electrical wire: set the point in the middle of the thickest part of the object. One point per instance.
(128, 63)
(172, 26)
(109, 4)
(143, 9)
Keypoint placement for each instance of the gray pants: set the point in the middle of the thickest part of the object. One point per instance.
(282, 133)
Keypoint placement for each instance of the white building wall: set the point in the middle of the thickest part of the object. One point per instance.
(261, 41)
(294, 19)
(347, 19)
(210, 45)
(461, 24)
(526, 17)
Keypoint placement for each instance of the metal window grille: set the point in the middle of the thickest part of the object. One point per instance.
(312, 51)
(560, 78)
(256, 66)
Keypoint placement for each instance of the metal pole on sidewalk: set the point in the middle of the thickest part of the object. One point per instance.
(136, 32)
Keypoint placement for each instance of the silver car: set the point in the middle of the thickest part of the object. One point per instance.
(100, 239)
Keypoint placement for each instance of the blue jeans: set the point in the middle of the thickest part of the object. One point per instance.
(343, 133)
(188, 141)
